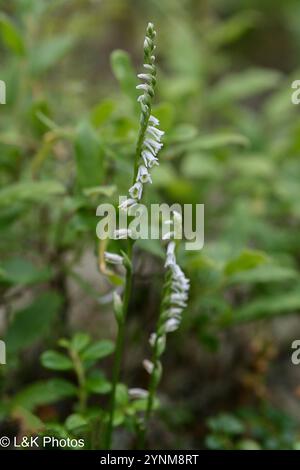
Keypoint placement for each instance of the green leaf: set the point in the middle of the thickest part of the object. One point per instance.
(124, 73)
(48, 52)
(33, 322)
(213, 141)
(102, 112)
(122, 397)
(80, 341)
(89, 155)
(75, 421)
(21, 271)
(102, 190)
(56, 361)
(245, 84)
(43, 393)
(266, 307)
(29, 192)
(97, 383)
(11, 35)
(227, 424)
(265, 273)
(200, 165)
(98, 350)
(248, 259)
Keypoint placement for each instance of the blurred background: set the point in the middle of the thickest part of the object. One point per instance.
(232, 141)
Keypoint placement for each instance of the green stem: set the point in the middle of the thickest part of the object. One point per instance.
(153, 384)
(119, 352)
(82, 394)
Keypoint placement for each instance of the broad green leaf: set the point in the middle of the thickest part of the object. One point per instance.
(80, 341)
(102, 112)
(122, 397)
(227, 424)
(75, 421)
(89, 155)
(124, 73)
(213, 141)
(30, 191)
(248, 259)
(245, 84)
(56, 361)
(43, 393)
(265, 273)
(100, 190)
(97, 383)
(268, 306)
(98, 350)
(230, 30)
(11, 35)
(200, 165)
(22, 271)
(30, 422)
(32, 322)
(48, 52)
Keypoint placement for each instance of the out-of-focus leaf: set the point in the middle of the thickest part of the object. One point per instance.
(102, 112)
(33, 322)
(98, 350)
(11, 35)
(75, 421)
(200, 165)
(165, 113)
(89, 155)
(213, 141)
(97, 383)
(265, 273)
(43, 393)
(80, 341)
(49, 51)
(245, 84)
(227, 424)
(31, 424)
(21, 271)
(125, 74)
(56, 361)
(248, 259)
(122, 397)
(103, 190)
(268, 306)
(30, 191)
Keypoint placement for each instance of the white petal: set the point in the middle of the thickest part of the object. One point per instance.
(137, 393)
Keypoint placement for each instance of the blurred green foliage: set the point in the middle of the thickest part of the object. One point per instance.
(67, 136)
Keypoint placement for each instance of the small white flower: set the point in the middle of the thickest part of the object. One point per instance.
(170, 260)
(154, 120)
(148, 366)
(147, 88)
(137, 393)
(145, 76)
(143, 175)
(152, 339)
(153, 145)
(156, 133)
(136, 191)
(142, 86)
(171, 325)
(175, 312)
(149, 159)
(121, 234)
(127, 203)
(149, 67)
(112, 258)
